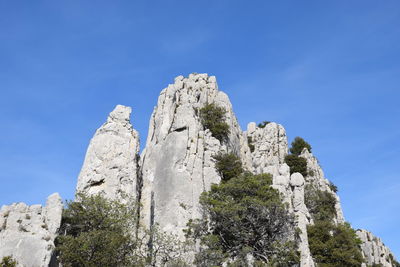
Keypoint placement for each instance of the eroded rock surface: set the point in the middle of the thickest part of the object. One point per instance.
(177, 163)
(373, 249)
(110, 165)
(27, 233)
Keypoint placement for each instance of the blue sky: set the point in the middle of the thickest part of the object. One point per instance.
(328, 71)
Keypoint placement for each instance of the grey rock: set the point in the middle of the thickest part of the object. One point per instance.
(110, 165)
(316, 177)
(373, 249)
(27, 233)
(177, 163)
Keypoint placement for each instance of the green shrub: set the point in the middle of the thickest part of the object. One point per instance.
(213, 118)
(296, 164)
(96, 231)
(320, 204)
(244, 215)
(250, 143)
(8, 261)
(298, 145)
(333, 187)
(263, 124)
(228, 165)
(334, 245)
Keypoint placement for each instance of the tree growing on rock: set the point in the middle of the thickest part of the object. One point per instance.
(96, 231)
(298, 145)
(228, 165)
(213, 118)
(244, 216)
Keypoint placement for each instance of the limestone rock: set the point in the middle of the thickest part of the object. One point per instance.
(177, 163)
(110, 165)
(270, 145)
(27, 233)
(373, 249)
(316, 177)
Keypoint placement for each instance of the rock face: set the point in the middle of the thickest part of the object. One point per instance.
(177, 163)
(27, 233)
(110, 165)
(269, 146)
(316, 177)
(374, 251)
(175, 167)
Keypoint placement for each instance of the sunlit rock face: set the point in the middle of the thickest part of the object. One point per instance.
(373, 249)
(111, 161)
(27, 233)
(177, 164)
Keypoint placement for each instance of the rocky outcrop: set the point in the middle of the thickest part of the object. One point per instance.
(177, 163)
(27, 233)
(110, 165)
(317, 178)
(269, 146)
(374, 251)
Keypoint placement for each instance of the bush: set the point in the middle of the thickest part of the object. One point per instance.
(333, 187)
(96, 231)
(320, 204)
(228, 165)
(263, 124)
(334, 245)
(296, 164)
(298, 145)
(243, 216)
(250, 143)
(8, 261)
(213, 118)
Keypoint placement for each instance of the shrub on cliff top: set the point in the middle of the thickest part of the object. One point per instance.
(213, 118)
(298, 145)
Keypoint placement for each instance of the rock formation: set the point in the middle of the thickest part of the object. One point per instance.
(27, 233)
(110, 165)
(177, 164)
(373, 249)
(175, 167)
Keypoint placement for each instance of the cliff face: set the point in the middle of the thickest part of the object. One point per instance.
(175, 167)
(27, 233)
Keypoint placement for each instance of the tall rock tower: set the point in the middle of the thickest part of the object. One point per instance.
(111, 161)
(177, 164)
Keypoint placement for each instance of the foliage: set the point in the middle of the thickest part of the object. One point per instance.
(8, 261)
(298, 145)
(321, 204)
(334, 245)
(333, 187)
(97, 231)
(263, 124)
(243, 216)
(213, 118)
(228, 165)
(393, 261)
(296, 164)
(250, 143)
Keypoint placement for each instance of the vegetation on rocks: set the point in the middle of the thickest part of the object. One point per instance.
(334, 245)
(263, 124)
(8, 261)
(298, 145)
(244, 216)
(213, 118)
(296, 164)
(228, 165)
(320, 204)
(95, 232)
